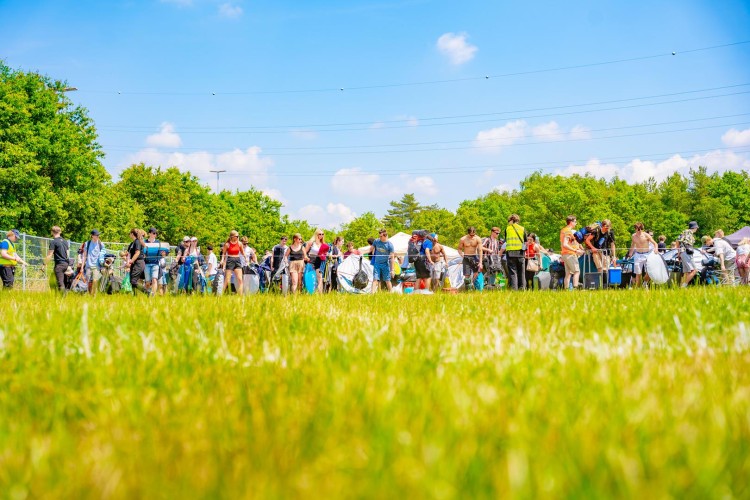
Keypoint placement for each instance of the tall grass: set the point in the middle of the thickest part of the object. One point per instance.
(608, 394)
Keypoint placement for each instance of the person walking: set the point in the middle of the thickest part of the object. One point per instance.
(439, 263)
(213, 267)
(231, 261)
(152, 270)
(687, 246)
(317, 250)
(93, 253)
(9, 258)
(727, 257)
(533, 254)
(515, 237)
(58, 253)
(383, 261)
(743, 260)
(642, 244)
(297, 256)
(492, 259)
(136, 259)
(470, 250)
(335, 256)
(278, 255)
(600, 243)
(570, 250)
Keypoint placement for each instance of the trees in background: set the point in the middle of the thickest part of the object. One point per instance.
(51, 173)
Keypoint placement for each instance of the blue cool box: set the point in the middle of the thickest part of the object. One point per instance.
(615, 276)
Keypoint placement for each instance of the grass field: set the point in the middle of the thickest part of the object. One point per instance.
(598, 395)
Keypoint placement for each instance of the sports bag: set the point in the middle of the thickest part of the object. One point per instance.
(360, 279)
(413, 249)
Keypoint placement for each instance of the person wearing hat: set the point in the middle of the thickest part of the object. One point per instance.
(9, 258)
(93, 254)
(58, 250)
(152, 263)
(687, 241)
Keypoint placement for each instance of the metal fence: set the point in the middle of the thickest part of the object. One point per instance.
(34, 249)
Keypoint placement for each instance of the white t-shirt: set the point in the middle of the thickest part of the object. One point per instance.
(213, 263)
(743, 250)
(723, 248)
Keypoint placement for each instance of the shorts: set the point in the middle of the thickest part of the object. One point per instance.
(152, 272)
(381, 272)
(601, 261)
(471, 264)
(571, 263)
(639, 262)
(742, 261)
(163, 276)
(422, 268)
(318, 264)
(233, 263)
(297, 266)
(687, 262)
(437, 270)
(92, 274)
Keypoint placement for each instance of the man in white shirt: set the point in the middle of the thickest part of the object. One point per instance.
(727, 257)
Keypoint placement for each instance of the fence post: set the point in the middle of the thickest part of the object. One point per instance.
(23, 268)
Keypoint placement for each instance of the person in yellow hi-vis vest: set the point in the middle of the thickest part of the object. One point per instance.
(9, 258)
(515, 238)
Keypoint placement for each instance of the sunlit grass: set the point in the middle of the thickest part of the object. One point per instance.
(595, 394)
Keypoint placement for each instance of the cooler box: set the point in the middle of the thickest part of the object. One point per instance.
(615, 276)
(592, 281)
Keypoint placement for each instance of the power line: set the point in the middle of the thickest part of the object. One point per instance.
(493, 167)
(116, 148)
(555, 134)
(430, 82)
(287, 128)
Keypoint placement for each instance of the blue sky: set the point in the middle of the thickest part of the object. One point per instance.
(255, 88)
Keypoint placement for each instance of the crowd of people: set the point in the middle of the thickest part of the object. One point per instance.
(513, 254)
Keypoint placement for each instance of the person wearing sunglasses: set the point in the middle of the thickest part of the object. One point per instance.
(317, 251)
(231, 261)
(296, 256)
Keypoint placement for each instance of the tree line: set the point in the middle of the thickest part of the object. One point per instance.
(51, 173)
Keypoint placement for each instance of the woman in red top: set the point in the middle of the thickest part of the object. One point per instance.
(231, 262)
(533, 255)
(317, 250)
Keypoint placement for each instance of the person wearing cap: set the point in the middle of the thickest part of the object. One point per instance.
(93, 254)
(58, 250)
(687, 241)
(9, 258)
(152, 263)
(383, 261)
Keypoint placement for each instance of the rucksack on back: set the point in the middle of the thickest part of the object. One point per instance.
(413, 249)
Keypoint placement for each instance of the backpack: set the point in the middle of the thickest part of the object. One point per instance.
(360, 280)
(413, 248)
(581, 234)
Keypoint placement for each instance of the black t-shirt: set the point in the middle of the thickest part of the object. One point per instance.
(136, 246)
(603, 240)
(662, 247)
(59, 248)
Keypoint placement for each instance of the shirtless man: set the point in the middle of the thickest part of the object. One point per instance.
(642, 245)
(439, 263)
(470, 248)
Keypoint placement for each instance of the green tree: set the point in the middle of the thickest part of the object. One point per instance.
(48, 152)
(363, 227)
(401, 215)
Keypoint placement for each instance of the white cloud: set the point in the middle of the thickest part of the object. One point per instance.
(579, 132)
(244, 168)
(548, 132)
(503, 188)
(638, 170)
(357, 183)
(230, 11)
(275, 194)
(333, 215)
(456, 48)
(493, 139)
(736, 138)
(166, 138)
